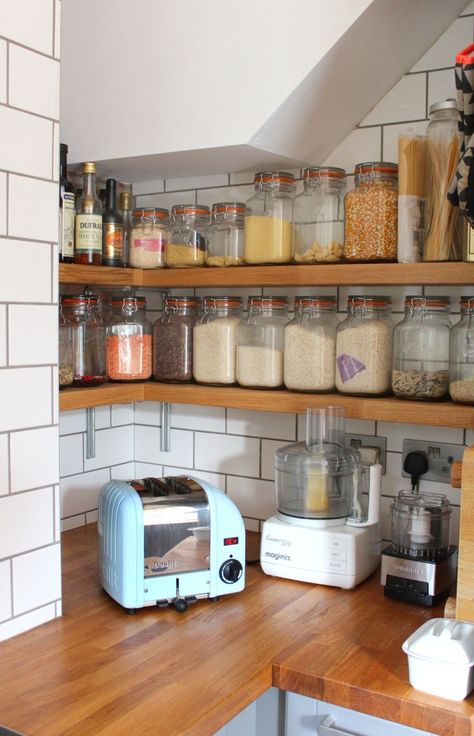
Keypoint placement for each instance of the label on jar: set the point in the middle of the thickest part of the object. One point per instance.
(153, 244)
(113, 241)
(66, 225)
(348, 366)
(88, 233)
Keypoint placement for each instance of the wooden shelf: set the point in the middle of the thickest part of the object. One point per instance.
(108, 393)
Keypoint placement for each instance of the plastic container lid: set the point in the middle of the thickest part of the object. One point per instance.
(443, 640)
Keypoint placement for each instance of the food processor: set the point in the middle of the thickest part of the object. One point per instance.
(419, 565)
(321, 533)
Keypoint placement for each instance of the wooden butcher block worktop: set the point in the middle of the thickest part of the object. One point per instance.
(98, 670)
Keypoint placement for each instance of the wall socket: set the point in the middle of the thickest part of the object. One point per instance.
(440, 458)
(377, 444)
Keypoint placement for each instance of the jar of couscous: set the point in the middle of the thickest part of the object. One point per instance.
(188, 240)
(268, 219)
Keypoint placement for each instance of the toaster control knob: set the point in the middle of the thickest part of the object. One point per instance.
(231, 571)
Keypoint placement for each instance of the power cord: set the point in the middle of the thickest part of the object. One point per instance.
(416, 464)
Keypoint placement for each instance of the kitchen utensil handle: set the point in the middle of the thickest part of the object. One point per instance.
(327, 728)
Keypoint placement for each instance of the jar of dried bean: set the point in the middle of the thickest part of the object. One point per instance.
(268, 228)
(421, 349)
(260, 342)
(65, 369)
(371, 213)
(309, 354)
(318, 216)
(215, 340)
(461, 354)
(173, 339)
(129, 341)
(225, 245)
(364, 346)
(88, 339)
(188, 240)
(148, 237)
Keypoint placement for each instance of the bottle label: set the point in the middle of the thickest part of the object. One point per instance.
(66, 225)
(113, 241)
(153, 244)
(88, 234)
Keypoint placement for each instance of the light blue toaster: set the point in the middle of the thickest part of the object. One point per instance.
(167, 541)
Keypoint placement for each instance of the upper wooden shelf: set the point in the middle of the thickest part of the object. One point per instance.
(390, 274)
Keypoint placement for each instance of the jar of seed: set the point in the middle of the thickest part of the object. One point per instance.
(129, 341)
(148, 237)
(260, 342)
(461, 354)
(268, 228)
(371, 213)
(215, 340)
(421, 349)
(225, 246)
(173, 339)
(188, 241)
(65, 370)
(88, 339)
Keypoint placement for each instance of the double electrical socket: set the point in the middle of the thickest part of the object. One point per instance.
(440, 458)
(372, 449)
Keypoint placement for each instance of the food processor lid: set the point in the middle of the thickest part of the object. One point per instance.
(332, 459)
(412, 502)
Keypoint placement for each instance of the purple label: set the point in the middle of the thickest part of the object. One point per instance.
(348, 366)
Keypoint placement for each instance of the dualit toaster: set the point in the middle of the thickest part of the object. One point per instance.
(167, 541)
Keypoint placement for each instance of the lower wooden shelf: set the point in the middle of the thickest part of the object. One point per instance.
(386, 409)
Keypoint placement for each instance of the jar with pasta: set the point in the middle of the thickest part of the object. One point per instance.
(268, 219)
(461, 354)
(87, 331)
(215, 340)
(318, 216)
(65, 369)
(364, 347)
(371, 213)
(260, 342)
(188, 241)
(225, 246)
(129, 341)
(173, 339)
(148, 237)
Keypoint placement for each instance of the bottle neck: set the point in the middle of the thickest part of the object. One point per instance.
(63, 169)
(89, 186)
(111, 197)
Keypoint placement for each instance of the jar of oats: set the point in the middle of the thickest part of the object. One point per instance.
(309, 354)
(371, 213)
(260, 342)
(148, 237)
(421, 349)
(364, 346)
(225, 244)
(318, 216)
(188, 240)
(215, 340)
(268, 228)
(461, 354)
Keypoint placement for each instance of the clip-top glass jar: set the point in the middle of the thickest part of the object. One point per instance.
(215, 340)
(225, 246)
(188, 240)
(268, 228)
(65, 370)
(318, 216)
(309, 355)
(364, 346)
(371, 213)
(421, 349)
(173, 339)
(148, 237)
(461, 354)
(88, 339)
(260, 342)
(129, 342)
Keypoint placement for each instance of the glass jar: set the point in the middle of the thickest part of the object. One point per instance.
(260, 342)
(225, 246)
(173, 339)
(309, 354)
(148, 237)
(371, 214)
(461, 354)
(65, 368)
(268, 228)
(129, 341)
(421, 349)
(443, 222)
(188, 238)
(364, 346)
(318, 216)
(88, 339)
(215, 340)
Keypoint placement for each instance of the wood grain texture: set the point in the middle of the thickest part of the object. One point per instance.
(74, 273)
(107, 393)
(456, 474)
(99, 671)
(465, 584)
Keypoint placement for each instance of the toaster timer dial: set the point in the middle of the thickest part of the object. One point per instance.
(230, 571)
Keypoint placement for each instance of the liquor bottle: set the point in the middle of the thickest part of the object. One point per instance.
(88, 245)
(125, 209)
(112, 248)
(66, 210)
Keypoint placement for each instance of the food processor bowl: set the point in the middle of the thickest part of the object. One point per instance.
(420, 525)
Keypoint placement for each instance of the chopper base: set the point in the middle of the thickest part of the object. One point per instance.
(418, 581)
(340, 555)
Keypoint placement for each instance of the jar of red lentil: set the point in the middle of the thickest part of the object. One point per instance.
(173, 339)
(88, 339)
(188, 239)
(129, 341)
(148, 237)
(371, 213)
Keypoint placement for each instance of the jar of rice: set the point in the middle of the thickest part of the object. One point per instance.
(215, 340)
(260, 342)
(148, 237)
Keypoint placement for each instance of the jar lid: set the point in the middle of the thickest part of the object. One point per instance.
(278, 177)
(182, 301)
(119, 302)
(323, 172)
(376, 167)
(466, 302)
(427, 302)
(449, 104)
(231, 208)
(267, 301)
(371, 302)
(89, 168)
(319, 302)
(217, 302)
(159, 213)
(72, 300)
(189, 209)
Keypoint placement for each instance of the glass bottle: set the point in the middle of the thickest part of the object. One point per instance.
(364, 346)
(173, 339)
(309, 355)
(188, 236)
(88, 340)
(67, 210)
(371, 213)
(125, 203)
(88, 243)
(148, 237)
(421, 349)
(268, 228)
(260, 342)
(112, 228)
(225, 245)
(318, 216)
(461, 354)
(129, 341)
(65, 368)
(215, 340)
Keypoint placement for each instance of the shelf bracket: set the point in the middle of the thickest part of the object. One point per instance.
(165, 408)
(90, 433)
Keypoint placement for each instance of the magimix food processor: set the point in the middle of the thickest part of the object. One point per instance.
(419, 565)
(321, 533)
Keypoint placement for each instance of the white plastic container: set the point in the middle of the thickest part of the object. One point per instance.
(441, 657)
